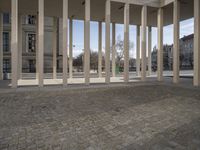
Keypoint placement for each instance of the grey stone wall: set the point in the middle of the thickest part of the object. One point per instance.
(27, 56)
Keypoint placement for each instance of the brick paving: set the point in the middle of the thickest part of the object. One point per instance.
(155, 117)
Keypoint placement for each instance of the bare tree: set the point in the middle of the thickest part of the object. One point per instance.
(120, 50)
(78, 62)
(94, 60)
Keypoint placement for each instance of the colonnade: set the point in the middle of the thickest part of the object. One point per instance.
(141, 35)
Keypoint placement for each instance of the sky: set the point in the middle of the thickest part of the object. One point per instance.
(186, 28)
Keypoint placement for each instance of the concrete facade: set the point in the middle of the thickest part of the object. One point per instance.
(28, 53)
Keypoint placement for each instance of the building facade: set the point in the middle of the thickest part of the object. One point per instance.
(186, 54)
(29, 44)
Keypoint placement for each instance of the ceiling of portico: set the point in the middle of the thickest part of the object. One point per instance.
(77, 9)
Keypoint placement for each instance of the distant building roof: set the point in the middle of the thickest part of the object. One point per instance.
(188, 37)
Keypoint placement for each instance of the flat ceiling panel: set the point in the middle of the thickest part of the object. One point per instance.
(77, 10)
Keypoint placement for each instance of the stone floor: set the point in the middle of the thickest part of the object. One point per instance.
(128, 117)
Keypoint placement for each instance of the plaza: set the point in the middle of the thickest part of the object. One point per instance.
(119, 116)
(48, 103)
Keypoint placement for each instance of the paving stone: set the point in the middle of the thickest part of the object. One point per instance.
(155, 117)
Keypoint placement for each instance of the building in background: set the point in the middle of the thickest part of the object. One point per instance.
(186, 54)
(29, 44)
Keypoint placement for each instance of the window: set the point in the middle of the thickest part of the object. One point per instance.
(6, 66)
(31, 20)
(32, 66)
(6, 18)
(58, 66)
(31, 42)
(6, 42)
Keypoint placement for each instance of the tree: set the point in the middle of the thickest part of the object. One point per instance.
(154, 58)
(120, 50)
(94, 60)
(78, 62)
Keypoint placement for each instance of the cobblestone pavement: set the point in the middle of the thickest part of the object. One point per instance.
(155, 117)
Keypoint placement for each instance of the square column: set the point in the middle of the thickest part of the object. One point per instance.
(70, 48)
(149, 50)
(55, 45)
(36, 53)
(41, 42)
(107, 22)
(65, 40)
(113, 50)
(196, 81)
(176, 50)
(160, 45)
(1, 46)
(126, 42)
(87, 43)
(100, 51)
(138, 51)
(20, 47)
(144, 41)
(14, 42)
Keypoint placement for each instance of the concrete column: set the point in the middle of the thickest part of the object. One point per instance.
(100, 51)
(143, 46)
(70, 48)
(36, 53)
(1, 46)
(20, 47)
(196, 81)
(87, 43)
(113, 50)
(138, 52)
(126, 43)
(14, 42)
(41, 42)
(176, 50)
(149, 50)
(60, 41)
(107, 60)
(160, 45)
(55, 46)
(65, 40)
